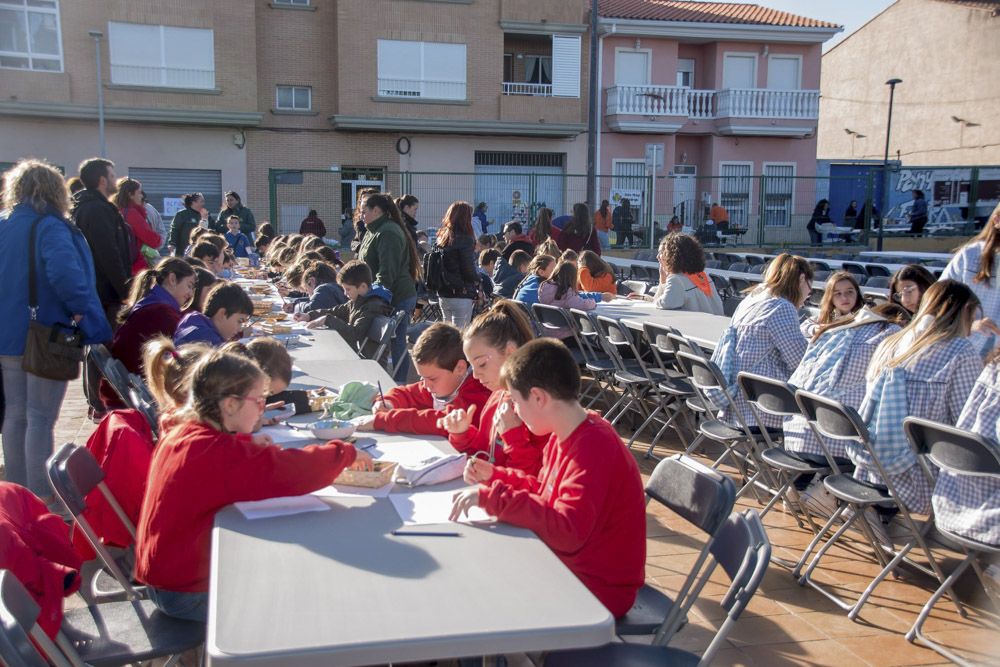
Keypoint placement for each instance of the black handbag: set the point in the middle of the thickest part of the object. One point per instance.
(52, 352)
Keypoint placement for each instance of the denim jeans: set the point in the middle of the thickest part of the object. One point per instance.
(605, 239)
(457, 311)
(399, 342)
(186, 606)
(33, 405)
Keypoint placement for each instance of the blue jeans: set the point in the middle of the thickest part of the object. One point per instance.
(457, 312)
(399, 342)
(605, 239)
(33, 405)
(186, 606)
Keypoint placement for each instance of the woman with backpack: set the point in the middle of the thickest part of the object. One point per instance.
(453, 273)
(578, 234)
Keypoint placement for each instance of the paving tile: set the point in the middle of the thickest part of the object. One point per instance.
(818, 653)
(758, 630)
(889, 651)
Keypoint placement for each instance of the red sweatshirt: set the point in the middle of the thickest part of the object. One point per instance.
(196, 471)
(123, 446)
(516, 448)
(413, 408)
(137, 219)
(586, 504)
(141, 325)
(35, 547)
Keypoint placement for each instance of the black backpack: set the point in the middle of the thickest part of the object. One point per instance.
(436, 277)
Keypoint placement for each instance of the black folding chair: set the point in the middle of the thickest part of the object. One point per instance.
(743, 551)
(703, 497)
(112, 370)
(631, 376)
(599, 365)
(674, 390)
(960, 453)
(833, 419)
(104, 635)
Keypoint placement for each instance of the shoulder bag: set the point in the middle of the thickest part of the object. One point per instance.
(52, 352)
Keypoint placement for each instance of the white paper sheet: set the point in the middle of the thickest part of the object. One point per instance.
(342, 490)
(285, 506)
(405, 452)
(283, 435)
(431, 507)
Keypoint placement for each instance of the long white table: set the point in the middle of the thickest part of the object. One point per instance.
(703, 328)
(338, 588)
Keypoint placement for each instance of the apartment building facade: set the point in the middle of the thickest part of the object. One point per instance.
(448, 99)
(725, 92)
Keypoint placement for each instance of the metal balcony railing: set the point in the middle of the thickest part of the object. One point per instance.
(163, 77)
(707, 104)
(429, 88)
(533, 89)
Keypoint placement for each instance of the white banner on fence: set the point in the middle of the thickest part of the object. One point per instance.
(633, 195)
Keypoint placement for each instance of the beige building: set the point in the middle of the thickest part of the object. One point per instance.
(332, 94)
(944, 111)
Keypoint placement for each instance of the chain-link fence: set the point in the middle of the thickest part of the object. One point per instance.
(771, 209)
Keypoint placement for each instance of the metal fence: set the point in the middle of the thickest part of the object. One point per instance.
(772, 209)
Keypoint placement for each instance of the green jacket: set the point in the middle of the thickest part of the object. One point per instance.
(184, 222)
(385, 251)
(248, 225)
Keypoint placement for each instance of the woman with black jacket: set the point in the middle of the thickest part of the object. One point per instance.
(459, 273)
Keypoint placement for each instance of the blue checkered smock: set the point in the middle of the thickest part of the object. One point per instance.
(934, 386)
(967, 505)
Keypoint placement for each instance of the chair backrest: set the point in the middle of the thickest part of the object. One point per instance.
(713, 264)
(700, 495)
(143, 401)
(819, 275)
(768, 395)
(878, 281)
(878, 270)
(658, 338)
(620, 343)
(739, 267)
(383, 330)
(753, 260)
(530, 315)
(551, 318)
(112, 370)
(589, 334)
(819, 265)
(953, 449)
(73, 473)
(704, 374)
(722, 285)
(832, 418)
(739, 284)
(19, 626)
(757, 269)
(854, 268)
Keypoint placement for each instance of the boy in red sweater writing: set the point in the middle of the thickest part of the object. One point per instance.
(208, 459)
(446, 383)
(587, 502)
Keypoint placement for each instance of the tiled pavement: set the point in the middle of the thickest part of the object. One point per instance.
(785, 623)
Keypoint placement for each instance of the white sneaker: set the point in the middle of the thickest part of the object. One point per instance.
(818, 499)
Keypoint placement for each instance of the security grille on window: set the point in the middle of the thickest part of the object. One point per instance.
(294, 98)
(298, 3)
(735, 193)
(421, 69)
(30, 35)
(778, 187)
(161, 56)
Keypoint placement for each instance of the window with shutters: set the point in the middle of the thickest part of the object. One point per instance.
(565, 65)
(735, 190)
(779, 189)
(30, 36)
(433, 70)
(161, 56)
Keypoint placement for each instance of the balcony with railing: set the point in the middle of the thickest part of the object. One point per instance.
(531, 89)
(421, 88)
(162, 77)
(669, 108)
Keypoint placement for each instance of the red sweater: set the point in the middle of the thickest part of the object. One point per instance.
(586, 504)
(517, 448)
(123, 446)
(138, 220)
(35, 547)
(196, 471)
(413, 408)
(141, 325)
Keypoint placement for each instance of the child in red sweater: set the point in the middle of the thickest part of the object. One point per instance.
(446, 384)
(489, 340)
(207, 460)
(587, 502)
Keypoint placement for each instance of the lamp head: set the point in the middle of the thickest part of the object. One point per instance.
(96, 34)
(893, 82)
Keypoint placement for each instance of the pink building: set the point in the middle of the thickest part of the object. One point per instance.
(725, 92)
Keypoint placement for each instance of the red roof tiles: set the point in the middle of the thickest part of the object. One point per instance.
(705, 12)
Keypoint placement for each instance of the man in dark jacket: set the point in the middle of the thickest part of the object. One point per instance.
(514, 235)
(106, 232)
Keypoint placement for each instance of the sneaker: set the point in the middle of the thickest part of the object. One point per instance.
(818, 499)
(879, 528)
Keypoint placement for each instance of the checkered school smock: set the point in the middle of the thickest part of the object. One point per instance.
(763, 338)
(934, 386)
(835, 366)
(963, 267)
(966, 505)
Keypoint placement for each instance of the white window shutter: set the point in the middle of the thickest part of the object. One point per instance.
(565, 65)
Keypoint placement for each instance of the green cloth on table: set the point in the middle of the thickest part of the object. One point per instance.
(355, 400)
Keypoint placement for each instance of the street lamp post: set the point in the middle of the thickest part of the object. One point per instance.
(97, 35)
(885, 164)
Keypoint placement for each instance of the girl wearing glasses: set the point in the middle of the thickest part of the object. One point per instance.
(208, 459)
(908, 285)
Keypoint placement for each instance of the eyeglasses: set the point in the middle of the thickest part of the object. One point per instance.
(905, 290)
(259, 400)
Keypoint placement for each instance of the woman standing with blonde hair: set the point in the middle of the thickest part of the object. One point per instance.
(35, 203)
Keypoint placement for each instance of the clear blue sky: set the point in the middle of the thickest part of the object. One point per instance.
(852, 14)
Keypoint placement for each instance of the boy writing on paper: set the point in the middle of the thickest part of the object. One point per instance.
(446, 383)
(587, 502)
